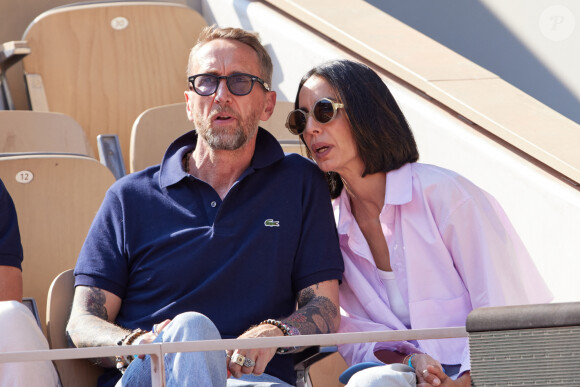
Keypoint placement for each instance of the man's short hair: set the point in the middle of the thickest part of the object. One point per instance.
(251, 39)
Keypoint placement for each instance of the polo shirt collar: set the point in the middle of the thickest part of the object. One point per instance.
(267, 152)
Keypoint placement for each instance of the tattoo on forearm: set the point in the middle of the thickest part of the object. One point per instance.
(96, 303)
(315, 314)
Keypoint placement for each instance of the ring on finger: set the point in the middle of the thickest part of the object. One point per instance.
(249, 362)
(425, 372)
(238, 359)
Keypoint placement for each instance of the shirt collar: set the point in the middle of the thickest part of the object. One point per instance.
(399, 188)
(398, 191)
(267, 152)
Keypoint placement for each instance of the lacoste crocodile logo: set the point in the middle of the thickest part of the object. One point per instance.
(271, 223)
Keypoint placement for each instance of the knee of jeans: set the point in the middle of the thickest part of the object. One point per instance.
(193, 326)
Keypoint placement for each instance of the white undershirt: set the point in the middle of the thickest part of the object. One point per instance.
(398, 306)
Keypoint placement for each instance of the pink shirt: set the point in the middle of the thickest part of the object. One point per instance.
(452, 250)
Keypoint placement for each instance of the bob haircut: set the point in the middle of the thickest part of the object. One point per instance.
(384, 140)
(251, 39)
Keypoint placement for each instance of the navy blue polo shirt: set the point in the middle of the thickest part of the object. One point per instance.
(10, 245)
(166, 243)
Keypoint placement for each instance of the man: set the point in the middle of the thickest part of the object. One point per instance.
(223, 239)
(19, 327)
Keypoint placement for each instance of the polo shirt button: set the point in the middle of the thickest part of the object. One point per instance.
(213, 204)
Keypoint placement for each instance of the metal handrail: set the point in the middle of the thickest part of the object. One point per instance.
(158, 350)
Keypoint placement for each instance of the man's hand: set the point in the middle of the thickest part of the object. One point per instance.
(149, 337)
(317, 313)
(261, 356)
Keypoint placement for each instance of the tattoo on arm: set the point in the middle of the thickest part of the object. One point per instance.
(89, 324)
(96, 303)
(315, 313)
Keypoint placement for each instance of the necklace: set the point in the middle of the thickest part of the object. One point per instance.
(185, 161)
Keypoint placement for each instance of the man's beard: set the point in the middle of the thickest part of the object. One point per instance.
(227, 139)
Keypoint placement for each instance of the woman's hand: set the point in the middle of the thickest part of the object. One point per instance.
(422, 362)
(436, 375)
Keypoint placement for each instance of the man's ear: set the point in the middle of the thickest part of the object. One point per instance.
(269, 106)
(187, 105)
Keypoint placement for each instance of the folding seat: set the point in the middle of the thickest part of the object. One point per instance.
(56, 198)
(72, 372)
(105, 63)
(23, 131)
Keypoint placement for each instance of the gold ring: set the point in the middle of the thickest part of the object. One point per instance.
(238, 359)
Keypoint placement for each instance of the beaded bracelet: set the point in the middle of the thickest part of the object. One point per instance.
(122, 361)
(286, 329)
(283, 327)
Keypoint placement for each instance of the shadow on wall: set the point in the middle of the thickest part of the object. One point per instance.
(241, 10)
(470, 29)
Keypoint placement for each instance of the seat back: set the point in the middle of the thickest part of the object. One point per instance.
(105, 63)
(325, 372)
(72, 372)
(277, 126)
(153, 131)
(23, 131)
(56, 198)
(156, 128)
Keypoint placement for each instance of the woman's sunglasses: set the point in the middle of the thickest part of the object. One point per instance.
(323, 112)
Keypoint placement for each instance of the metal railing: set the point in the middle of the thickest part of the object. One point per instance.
(157, 350)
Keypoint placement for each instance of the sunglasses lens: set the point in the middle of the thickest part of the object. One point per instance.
(240, 84)
(205, 84)
(296, 122)
(323, 111)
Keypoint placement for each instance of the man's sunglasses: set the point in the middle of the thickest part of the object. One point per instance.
(323, 112)
(238, 84)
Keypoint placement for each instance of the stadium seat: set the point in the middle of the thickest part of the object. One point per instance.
(155, 129)
(105, 63)
(72, 372)
(23, 131)
(56, 198)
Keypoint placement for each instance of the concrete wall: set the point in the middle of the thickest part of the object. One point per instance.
(533, 45)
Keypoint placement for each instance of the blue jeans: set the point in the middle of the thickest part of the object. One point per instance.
(207, 369)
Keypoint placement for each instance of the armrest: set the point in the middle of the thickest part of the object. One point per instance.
(10, 53)
(310, 355)
(307, 357)
(110, 154)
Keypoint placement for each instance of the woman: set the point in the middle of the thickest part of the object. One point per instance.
(422, 245)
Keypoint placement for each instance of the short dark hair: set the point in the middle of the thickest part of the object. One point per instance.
(384, 140)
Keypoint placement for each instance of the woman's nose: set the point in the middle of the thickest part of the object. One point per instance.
(312, 126)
